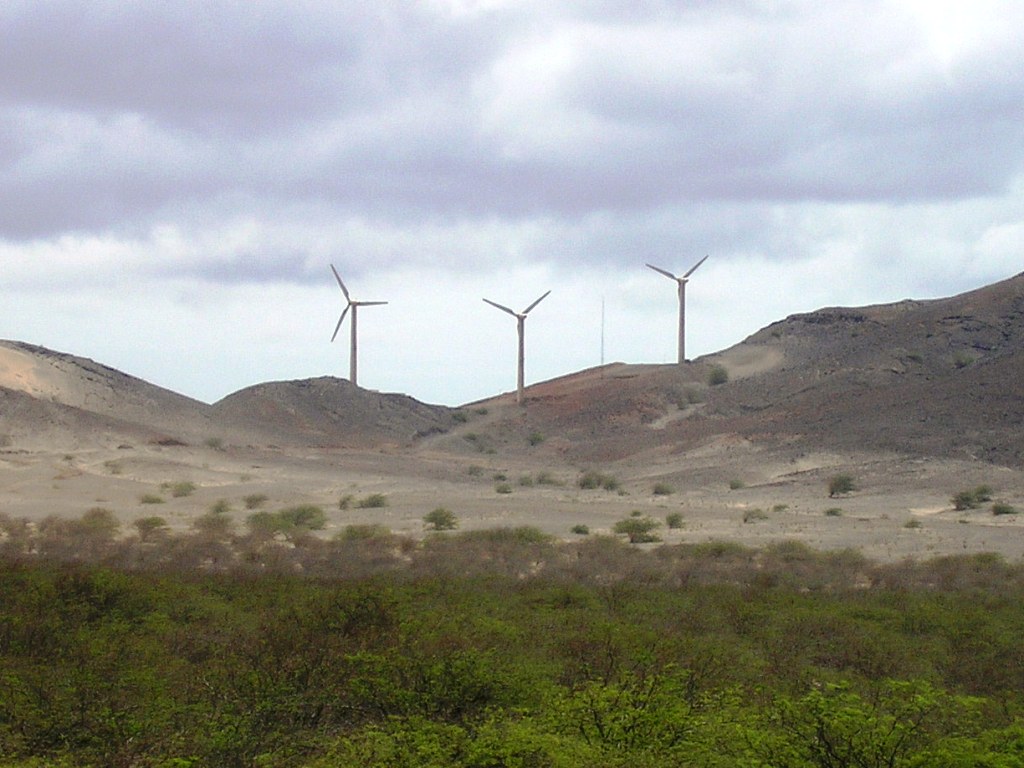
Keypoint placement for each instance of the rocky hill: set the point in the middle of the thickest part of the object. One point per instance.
(931, 378)
(936, 378)
(331, 412)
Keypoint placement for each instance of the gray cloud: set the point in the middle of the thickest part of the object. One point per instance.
(616, 129)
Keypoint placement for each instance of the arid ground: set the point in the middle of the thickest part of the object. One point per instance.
(914, 402)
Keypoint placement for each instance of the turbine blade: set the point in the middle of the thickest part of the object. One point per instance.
(538, 301)
(694, 267)
(502, 308)
(340, 321)
(340, 283)
(368, 303)
(665, 272)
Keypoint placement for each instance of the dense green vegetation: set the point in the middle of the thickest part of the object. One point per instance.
(498, 648)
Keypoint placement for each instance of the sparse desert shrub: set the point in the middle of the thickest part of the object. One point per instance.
(736, 484)
(150, 498)
(441, 519)
(591, 480)
(503, 488)
(580, 530)
(639, 529)
(546, 478)
(499, 477)
(780, 507)
(263, 522)
(150, 527)
(754, 515)
(214, 524)
(674, 520)
(100, 521)
(181, 489)
(113, 467)
(255, 500)
(363, 532)
(833, 512)
(460, 417)
(475, 470)
(535, 438)
(839, 485)
(216, 443)
(373, 501)
(307, 517)
(962, 359)
(912, 524)
(526, 481)
(663, 489)
(220, 507)
(345, 502)
(718, 375)
(972, 498)
(999, 508)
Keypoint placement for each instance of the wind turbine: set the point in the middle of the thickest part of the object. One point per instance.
(520, 327)
(681, 282)
(354, 306)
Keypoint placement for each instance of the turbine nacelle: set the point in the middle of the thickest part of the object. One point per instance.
(519, 315)
(679, 279)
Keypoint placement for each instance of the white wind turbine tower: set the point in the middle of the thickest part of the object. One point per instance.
(681, 282)
(520, 327)
(354, 306)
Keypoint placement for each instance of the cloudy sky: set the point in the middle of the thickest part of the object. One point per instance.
(176, 177)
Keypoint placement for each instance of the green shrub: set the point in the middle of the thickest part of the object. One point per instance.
(639, 529)
(535, 438)
(580, 530)
(373, 501)
(526, 481)
(216, 443)
(833, 512)
(441, 519)
(754, 515)
(307, 517)
(150, 527)
(150, 498)
(546, 478)
(591, 480)
(962, 359)
(736, 484)
(182, 488)
(503, 488)
(220, 507)
(839, 485)
(674, 520)
(363, 532)
(912, 524)
(255, 500)
(663, 489)
(214, 524)
(475, 470)
(1000, 508)
(100, 521)
(972, 498)
(718, 375)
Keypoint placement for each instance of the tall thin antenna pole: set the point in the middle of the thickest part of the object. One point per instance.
(602, 331)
